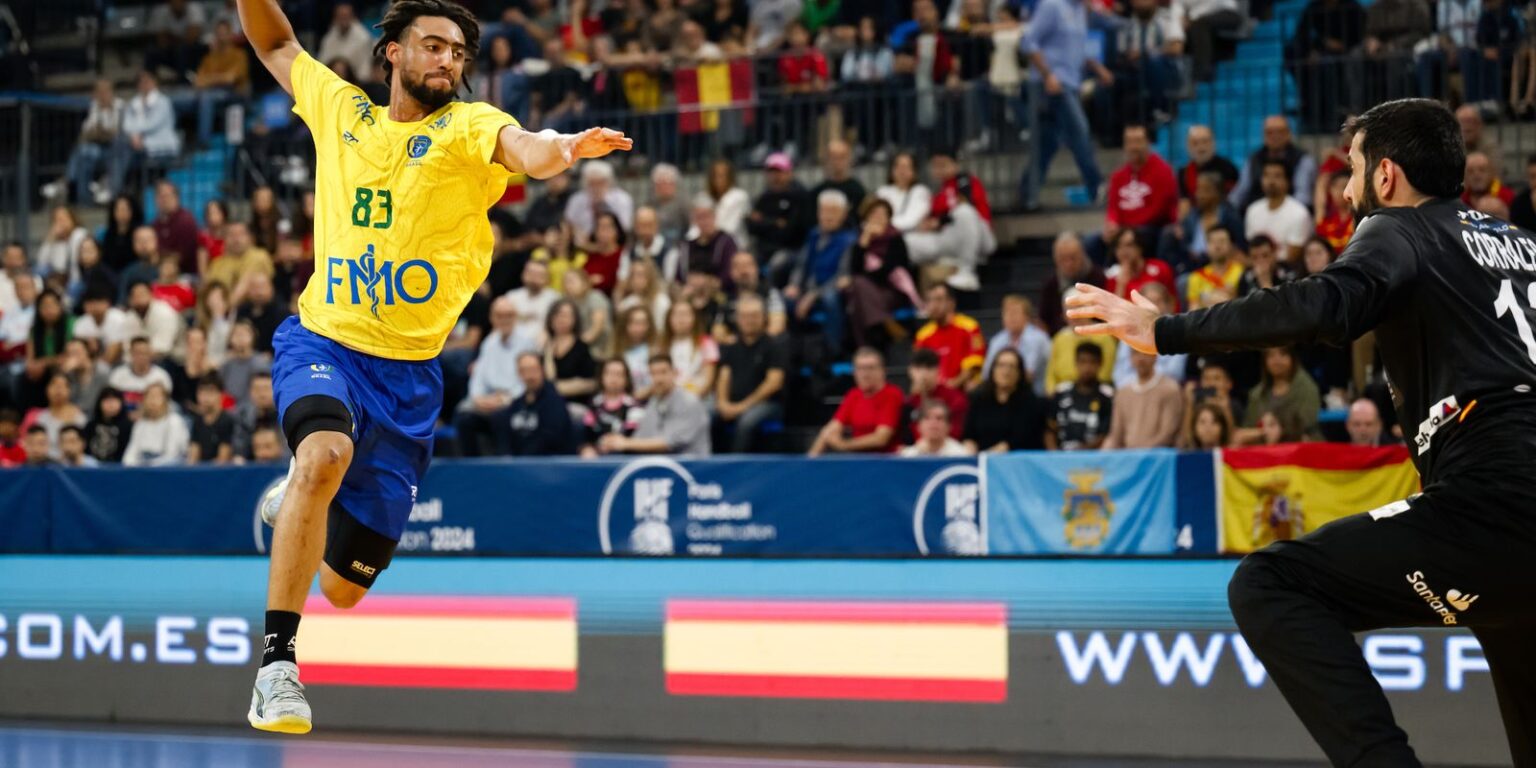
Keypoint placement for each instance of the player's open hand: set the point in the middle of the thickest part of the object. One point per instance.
(1129, 321)
(597, 142)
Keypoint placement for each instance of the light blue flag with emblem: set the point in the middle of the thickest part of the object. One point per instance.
(1088, 503)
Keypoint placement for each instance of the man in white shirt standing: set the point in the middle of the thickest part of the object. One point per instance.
(532, 301)
(347, 39)
(149, 133)
(1278, 214)
(494, 383)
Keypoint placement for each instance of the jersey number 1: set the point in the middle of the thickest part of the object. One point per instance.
(363, 204)
(1506, 303)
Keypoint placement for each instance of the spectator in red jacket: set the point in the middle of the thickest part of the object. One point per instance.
(1133, 269)
(1143, 194)
(923, 372)
(802, 68)
(175, 227)
(867, 419)
(11, 452)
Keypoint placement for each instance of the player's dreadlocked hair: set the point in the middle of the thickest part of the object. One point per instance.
(403, 13)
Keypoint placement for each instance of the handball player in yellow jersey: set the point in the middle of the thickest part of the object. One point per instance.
(401, 242)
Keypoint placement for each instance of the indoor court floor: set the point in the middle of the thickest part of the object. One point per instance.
(64, 745)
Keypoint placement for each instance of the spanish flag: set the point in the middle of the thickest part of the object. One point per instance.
(1281, 492)
(944, 652)
(717, 84)
(442, 641)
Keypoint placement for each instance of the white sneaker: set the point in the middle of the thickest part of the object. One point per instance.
(53, 190)
(100, 193)
(277, 700)
(272, 501)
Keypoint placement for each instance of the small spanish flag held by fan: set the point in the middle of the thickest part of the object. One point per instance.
(712, 85)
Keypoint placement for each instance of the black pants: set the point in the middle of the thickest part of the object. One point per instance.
(1461, 554)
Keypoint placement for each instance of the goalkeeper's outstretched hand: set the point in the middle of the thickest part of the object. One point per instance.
(1129, 321)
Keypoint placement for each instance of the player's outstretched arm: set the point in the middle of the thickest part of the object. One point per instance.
(546, 153)
(271, 36)
(1334, 306)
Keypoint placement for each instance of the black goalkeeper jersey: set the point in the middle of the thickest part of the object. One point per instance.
(1451, 294)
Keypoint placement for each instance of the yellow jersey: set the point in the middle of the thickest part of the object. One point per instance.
(401, 235)
(1208, 278)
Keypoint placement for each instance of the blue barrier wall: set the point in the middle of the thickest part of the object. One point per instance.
(1123, 503)
(1063, 656)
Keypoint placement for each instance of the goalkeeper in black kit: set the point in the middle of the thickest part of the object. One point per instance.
(1451, 295)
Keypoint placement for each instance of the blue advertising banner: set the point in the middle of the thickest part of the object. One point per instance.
(1109, 503)
(25, 499)
(647, 506)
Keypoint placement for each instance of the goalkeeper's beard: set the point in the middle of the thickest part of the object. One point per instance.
(1367, 205)
(430, 98)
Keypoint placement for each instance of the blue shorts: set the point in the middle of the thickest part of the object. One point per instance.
(394, 406)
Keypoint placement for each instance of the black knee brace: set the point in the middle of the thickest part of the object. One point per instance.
(315, 413)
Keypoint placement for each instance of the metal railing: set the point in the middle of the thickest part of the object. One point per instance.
(990, 129)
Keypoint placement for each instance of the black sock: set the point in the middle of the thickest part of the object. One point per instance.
(282, 629)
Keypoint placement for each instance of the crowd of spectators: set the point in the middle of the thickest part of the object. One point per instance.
(1346, 55)
(926, 74)
(613, 322)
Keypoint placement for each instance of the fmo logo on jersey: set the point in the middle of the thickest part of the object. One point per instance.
(379, 281)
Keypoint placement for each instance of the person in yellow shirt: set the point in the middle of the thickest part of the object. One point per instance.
(401, 241)
(559, 251)
(240, 258)
(1063, 367)
(1217, 281)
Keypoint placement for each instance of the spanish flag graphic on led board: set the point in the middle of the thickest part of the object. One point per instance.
(949, 652)
(442, 641)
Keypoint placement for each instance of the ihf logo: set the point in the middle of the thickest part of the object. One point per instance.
(651, 534)
(948, 518)
(962, 527)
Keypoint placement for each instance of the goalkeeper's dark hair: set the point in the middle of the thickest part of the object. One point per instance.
(1421, 136)
(403, 13)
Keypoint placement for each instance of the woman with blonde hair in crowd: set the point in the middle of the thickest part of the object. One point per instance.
(695, 355)
(160, 436)
(559, 251)
(58, 257)
(644, 288)
(216, 316)
(634, 343)
(596, 312)
(731, 202)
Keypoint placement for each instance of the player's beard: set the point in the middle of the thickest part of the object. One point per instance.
(431, 98)
(1368, 203)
